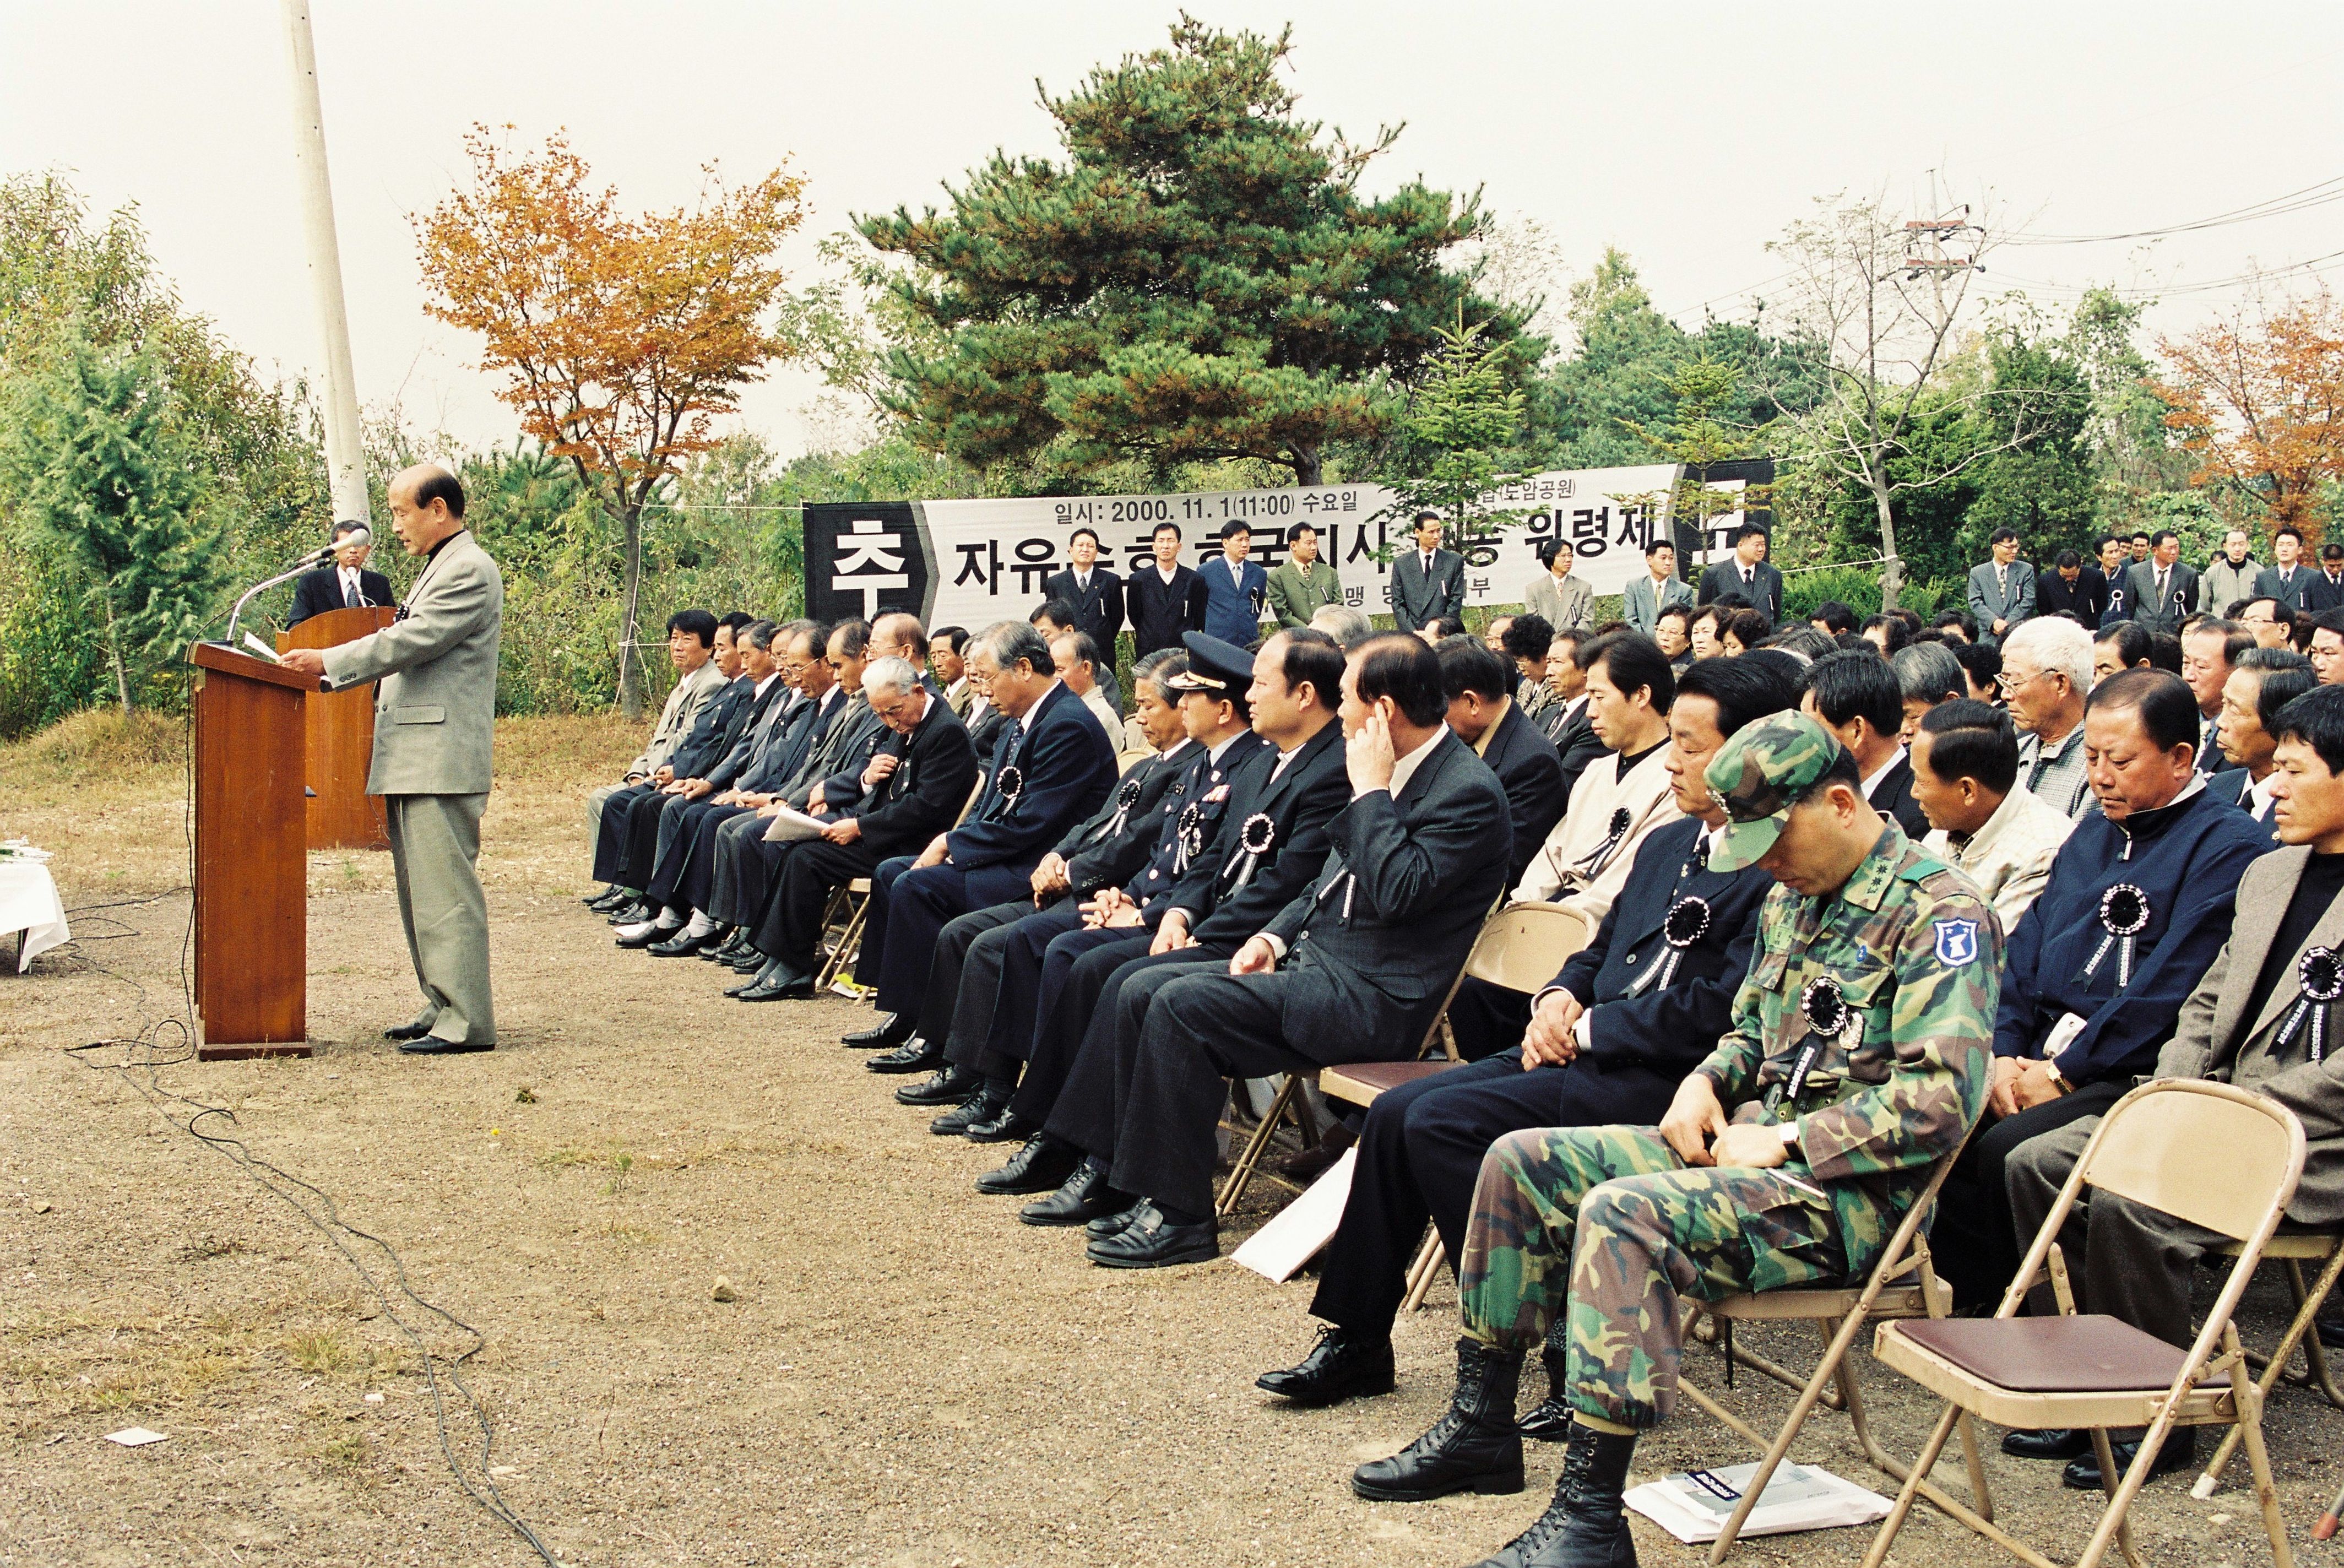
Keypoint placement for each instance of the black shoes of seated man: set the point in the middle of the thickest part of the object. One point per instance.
(892, 1030)
(1473, 1447)
(1003, 1125)
(683, 945)
(1344, 1364)
(1042, 1165)
(608, 899)
(1550, 1421)
(946, 1086)
(1083, 1197)
(985, 1118)
(2073, 1444)
(913, 1056)
(1152, 1240)
(778, 981)
(980, 1107)
(643, 939)
(735, 943)
(1586, 1525)
(632, 912)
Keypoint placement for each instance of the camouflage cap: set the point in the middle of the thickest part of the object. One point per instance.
(1761, 771)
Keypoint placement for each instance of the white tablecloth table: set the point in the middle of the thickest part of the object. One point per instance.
(30, 904)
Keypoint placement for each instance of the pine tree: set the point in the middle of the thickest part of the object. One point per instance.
(96, 468)
(1464, 414)
(1199, 280)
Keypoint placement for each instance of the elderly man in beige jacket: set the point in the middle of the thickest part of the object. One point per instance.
(1983, 823)
(434, 720)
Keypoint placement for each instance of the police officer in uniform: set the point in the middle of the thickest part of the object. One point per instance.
(1859, 1056)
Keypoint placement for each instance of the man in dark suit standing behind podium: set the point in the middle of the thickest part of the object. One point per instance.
(345, 586)
(1096, 592)
(434, 723)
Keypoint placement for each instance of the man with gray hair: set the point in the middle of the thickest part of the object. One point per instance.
(912, 787)
(1927, 673)
(1348, 626)
(2046, 674)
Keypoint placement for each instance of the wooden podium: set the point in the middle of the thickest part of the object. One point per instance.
(340, 738)
(252, 868)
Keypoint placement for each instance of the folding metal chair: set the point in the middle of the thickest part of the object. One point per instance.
(850, 903)
(2202, 1151)
(1903, 1284)
(2292, 1249)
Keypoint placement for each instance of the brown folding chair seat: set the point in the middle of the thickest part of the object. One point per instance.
(2205, 1152)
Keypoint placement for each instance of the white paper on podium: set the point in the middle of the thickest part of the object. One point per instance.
(790, 825)
(1299, 1230)
(1693, 1506)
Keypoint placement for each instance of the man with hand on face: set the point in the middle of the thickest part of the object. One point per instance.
(1302, 584)
(2259, 1020)
(1428, 582)
(2265, 681)
(1856, 1059)
(2139, 902)
(1609, 1040)
(1981, 823)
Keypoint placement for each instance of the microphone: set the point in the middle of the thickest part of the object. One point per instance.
(323, 555)
(359, 537)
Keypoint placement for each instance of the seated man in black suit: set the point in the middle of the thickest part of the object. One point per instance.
(1609, 1041)
(1857, 698)
(914, 787)
(1482, 711)
(344, 585)
(1354, 968)
(1051, 768)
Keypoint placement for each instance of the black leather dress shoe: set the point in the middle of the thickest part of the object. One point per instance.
(1107, 1225)
(1042, 1165)
(913, 1056)
(751, 983)
(785, 988)
(631, 912)
(2180, 1453)
(406, 1031)
(945, 1085)
(747, 961)
(610, 898)
(1344, 1364)
(980, 1107)
(1080, 1199)
(680, 945)
(735, 943)
(2046, 1442)
(641, 939)
(1152, 1241)
(892, 1029)
(432, 1045)
(1003, 1126)
(2331, 1331)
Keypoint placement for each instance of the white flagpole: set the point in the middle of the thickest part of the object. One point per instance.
(345, 460)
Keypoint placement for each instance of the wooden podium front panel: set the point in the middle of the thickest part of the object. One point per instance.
(340, 738)
(252, 867)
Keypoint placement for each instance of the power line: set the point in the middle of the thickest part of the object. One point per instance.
(2309, 197)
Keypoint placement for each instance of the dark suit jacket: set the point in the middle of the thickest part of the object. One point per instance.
(987, 732)
(1299, 804)
(2230, 785)
(920, 799)
(1668, 1030)
(2291, 592)
(1065, 767)
(1233, 608)
(2085, 600)
(2180, 596)
(1385, 927)
(321, 591)
(722, 720)
(1417, 599)
(1530, 771)
(1099, 610)
(774, 747)
(2323, 594)
(1161, 612)
(1577, 744)
(1103, 851)
(1893, 797)
(1725, 577)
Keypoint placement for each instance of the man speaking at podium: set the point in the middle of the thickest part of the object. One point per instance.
(434, 718)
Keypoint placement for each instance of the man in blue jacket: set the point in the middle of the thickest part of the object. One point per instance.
(1233, 587)
(1052, 766)
(2139, 904)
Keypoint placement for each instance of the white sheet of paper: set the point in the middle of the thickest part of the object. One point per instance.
(790, 825)
(1300, 1228)
(135, 1437)
(1693, 1507)
(262, 650)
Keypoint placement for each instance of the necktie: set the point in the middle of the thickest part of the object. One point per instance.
(350, 591)
(1427, 563)
(2160, 588)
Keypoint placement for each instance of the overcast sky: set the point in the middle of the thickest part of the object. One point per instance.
(1686, 134)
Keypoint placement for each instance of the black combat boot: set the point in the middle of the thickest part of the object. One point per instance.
(1473, 1447)
(1586, 1526)
(1550, 1422)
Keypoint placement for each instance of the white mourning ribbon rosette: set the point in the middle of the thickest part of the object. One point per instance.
(2123, 916)
(2320, 974)
(1189, 839)
(1255, 839)
(1615, 833)
(1824, 1007)
(1687, 921)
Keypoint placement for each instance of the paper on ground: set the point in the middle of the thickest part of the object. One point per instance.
(135, 1437)
(1299, 1230)
(1695, 1506)
(790, 825)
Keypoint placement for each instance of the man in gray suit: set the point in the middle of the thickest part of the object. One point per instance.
(2254, 1020)
(1660, 587)
(2002, 590)
(2161, 590)
(434, 722)
(1428, 581)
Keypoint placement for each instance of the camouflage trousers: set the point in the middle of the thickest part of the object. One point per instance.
(1606, 1227)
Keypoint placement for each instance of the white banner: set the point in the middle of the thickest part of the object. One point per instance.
(973, 562)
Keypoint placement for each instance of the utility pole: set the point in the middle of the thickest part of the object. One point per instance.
(345, 460)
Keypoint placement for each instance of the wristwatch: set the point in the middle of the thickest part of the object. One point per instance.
(2058, 1080)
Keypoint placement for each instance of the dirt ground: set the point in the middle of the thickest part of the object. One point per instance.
(907, 1377)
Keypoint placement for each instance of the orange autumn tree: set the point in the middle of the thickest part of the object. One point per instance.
(621, 338)
(2258, 398)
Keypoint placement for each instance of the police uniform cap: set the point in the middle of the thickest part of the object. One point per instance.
(1218, 668)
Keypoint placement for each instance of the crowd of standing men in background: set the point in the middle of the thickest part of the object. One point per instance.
(1863, 895)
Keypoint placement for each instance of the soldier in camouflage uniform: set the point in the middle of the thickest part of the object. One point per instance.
(1859, 1056)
